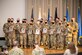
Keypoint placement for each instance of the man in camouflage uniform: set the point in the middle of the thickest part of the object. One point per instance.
(23, 35)
(45, 33)
(31, 34)
(37, 32)
(15, 50)
(17, 30)
(64, 24)
(52, 35)
(75, 30)
(38, 50)
(32, 21)
(69, 33)
(41, 24)
(26, 30)
(59, 36)
(11, 35)
(6, 30)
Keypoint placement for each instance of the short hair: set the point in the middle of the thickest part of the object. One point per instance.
(15, 43)
(35, 43)
(71, 47)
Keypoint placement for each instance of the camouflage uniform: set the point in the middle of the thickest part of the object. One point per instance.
(45, 33)
(39, 51)
(32, 20)
(41, 24)
(23, 35)
(11, 35)
(26, 30)
(6, 30)
(69, 33)
(37, 32)
(74, 25)
(52, 35)
(64, 24)
(16, 51)
(30, 34)
(17, 30)
(59, 36)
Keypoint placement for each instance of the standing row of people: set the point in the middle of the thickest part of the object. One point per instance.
(53, 34)
(15, 31)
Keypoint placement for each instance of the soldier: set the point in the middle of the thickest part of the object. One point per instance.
(57, 21)
(15, 50)
(75, 30)
(51, 33)
(17, 30)
(45, 33)
(30, 34)
(26, 30)
(38, 50)
(59, 36)
(11, 35)
(23, 35)
(32, 20)
(69, 33)
(64, 24)
(37, 32)
(6, 30)
(33, 23)
(41, 24)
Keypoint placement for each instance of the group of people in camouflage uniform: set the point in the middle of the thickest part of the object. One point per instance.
(54, 34)
(15, 31)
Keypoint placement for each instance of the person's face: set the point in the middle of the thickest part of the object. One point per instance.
(45, 22)
(32, 20)
(41, 21)
(52, 22)
(67, 24)
(59, 23)
(8, 21)
(71, 20)
(23, 21)
(11, 21)
(18, 21)
(64, 19)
